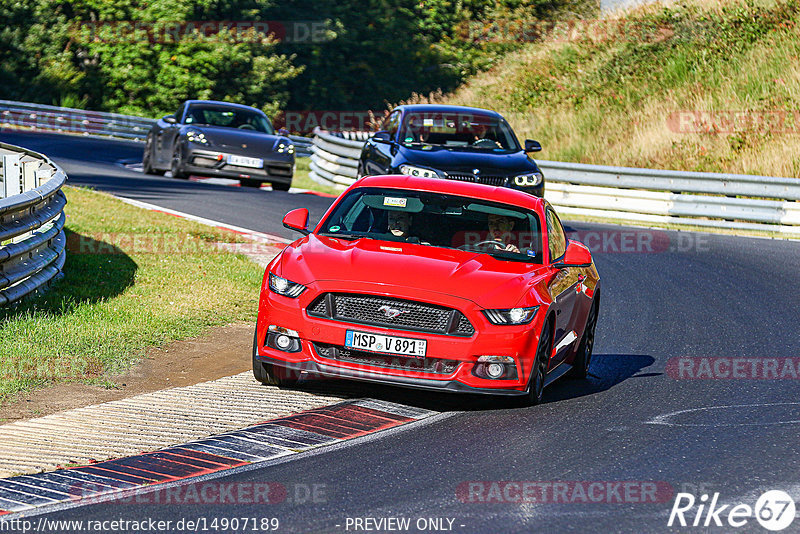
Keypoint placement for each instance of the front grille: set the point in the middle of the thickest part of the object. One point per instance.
(421, 365)
(461, 177)
(497, 181)
(382, 311)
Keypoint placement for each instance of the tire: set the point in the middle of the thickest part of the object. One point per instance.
(266, 373)
(147, 158)
(539, 370)
(583, 357)
(176, 165)
(249, 182)
(277, 186)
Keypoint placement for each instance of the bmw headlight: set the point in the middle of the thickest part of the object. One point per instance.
(285, 147)
(285, 287)
(512, 316)
(528, 180)
(422, 172)
(196, 136)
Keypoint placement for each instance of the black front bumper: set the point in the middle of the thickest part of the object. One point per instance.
(315, 368)
(206, 163)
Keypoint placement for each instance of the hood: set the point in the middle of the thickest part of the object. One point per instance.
(235, 138)
(487, 281)
(486, 161)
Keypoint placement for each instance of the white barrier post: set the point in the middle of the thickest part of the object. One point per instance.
(12, 175)
(29, 175)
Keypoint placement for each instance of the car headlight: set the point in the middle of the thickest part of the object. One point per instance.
(418, 171)
(285, 287)
(512, 316)
(196, 136)
(285, 147)
(529, 179)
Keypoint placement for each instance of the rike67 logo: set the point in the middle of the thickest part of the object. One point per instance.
(774, 510)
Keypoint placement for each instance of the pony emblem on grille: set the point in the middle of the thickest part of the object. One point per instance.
(390, 312)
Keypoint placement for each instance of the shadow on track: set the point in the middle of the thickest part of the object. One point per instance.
(607, 371)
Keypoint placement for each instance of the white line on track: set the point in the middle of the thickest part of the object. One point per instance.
(258, 236)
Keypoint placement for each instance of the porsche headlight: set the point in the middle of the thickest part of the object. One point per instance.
(422, 172)
(528, 180)
(196, 136)
(512, 316)
(285, 287)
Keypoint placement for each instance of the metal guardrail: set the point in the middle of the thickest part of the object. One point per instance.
(32, 239)
(69, 120)
(734, 201)
(92, 123)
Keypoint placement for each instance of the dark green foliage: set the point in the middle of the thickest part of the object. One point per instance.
(74, 52)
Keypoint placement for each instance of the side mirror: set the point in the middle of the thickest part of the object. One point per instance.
(532, 146)
(577, 255)
(284, 132)
(170, 119)
(297, 220)
(382, 136)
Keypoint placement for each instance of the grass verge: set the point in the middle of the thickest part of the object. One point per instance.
(134, 279)
(302, 180)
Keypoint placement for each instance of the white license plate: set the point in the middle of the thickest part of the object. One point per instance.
(385, 344)
(242, 161)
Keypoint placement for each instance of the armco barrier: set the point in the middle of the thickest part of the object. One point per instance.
(735, 201)
(80, 121)
(32, 239)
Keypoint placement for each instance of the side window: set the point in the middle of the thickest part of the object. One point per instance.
(392, 123)
(555, 236)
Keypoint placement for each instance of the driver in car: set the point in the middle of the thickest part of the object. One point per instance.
(480, 138)
(399, 223)
(500, 228)
(400, 226)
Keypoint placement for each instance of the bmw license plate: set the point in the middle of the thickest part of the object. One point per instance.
(242, 161)
(385, 344)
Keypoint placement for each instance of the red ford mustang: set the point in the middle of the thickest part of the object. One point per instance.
(431, 284)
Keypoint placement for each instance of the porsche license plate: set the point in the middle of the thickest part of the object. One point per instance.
(385, 344)
(242, 161)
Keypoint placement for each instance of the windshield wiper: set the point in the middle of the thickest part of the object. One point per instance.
(345, 235)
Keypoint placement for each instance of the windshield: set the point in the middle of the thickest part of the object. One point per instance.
(459, 131)
(437, 220)
(229, 118)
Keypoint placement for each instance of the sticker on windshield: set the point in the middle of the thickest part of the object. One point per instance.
(335, 228)
(395, 202)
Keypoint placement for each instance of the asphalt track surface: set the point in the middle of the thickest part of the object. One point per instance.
(698, 296)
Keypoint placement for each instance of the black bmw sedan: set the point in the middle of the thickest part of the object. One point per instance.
(210, 138)
(455, 143)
